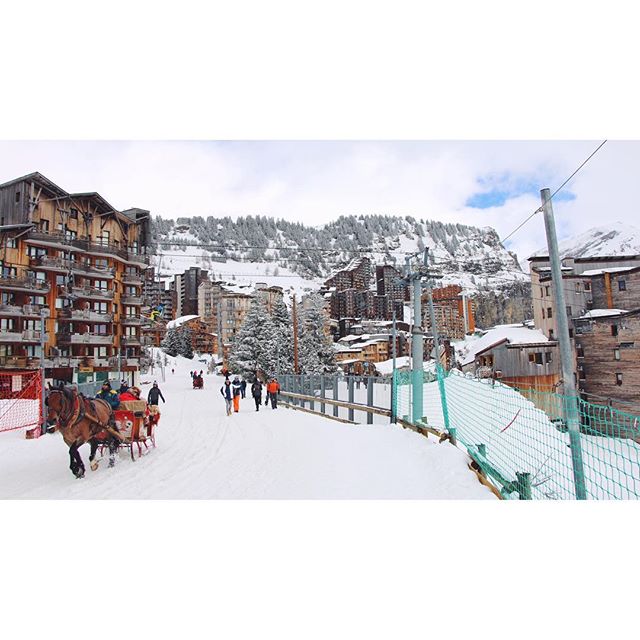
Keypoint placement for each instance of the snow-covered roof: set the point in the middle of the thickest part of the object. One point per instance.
(173, 324)
(386, 366)
(601, 313)
(599, 272)
(350, 338)
(513, 334)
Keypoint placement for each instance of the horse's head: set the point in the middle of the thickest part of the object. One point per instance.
(58, 401)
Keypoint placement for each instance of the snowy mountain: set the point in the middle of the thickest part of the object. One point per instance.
(260, 249)
(615, 239)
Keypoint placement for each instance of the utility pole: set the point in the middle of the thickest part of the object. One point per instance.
(43, 331)
(436, 348)
(219, 323)
(295, 335)
(566, 356)
(393, 374)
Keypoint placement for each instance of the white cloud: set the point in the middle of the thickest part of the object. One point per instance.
(315, 182)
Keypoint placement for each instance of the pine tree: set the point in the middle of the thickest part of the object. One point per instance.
(185, 345)
(170, 343)
(250, 348)
(316, 354)
(281, 339)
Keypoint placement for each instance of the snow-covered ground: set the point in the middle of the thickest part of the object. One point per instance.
(281, 453)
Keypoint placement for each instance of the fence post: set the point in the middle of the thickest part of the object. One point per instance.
(312, 392)
(323, 382)
(335, 395)
(524, 485)
(350, 397)
(370, 399)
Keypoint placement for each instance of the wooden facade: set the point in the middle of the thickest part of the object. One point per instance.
(80, 262)
(608, 356)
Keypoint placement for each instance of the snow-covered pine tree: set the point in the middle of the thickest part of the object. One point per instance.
(250, 348)
(170, 343)
(185, 346)
(281, 340)
(316, 354)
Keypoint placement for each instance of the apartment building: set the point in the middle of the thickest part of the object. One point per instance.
(71, 277)
(186, 291)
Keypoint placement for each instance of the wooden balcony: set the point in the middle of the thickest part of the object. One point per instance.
(89, 293)
(26, 284)
(28, 335)
(131, 320)
(19, 362)
(55, 239)
(24, 311)
(130, 341)
(84, 338)
(84, 315)
(50, 263)
(131, 300)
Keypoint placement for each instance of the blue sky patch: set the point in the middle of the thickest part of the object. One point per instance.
(509, 187)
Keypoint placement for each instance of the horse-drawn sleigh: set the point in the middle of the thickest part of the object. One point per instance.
(198, 383)
(80, 420)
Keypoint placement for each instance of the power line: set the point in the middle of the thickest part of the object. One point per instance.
(593, 153)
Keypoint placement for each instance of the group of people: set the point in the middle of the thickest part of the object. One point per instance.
(233, 391)
(196, 378)
(124, 393)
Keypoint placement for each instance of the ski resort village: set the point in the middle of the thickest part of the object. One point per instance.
(374, 356)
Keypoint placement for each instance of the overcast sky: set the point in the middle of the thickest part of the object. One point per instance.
(478, 183)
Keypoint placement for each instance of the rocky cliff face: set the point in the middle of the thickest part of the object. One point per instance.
(460, 254)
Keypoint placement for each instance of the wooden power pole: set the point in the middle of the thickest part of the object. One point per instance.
(295, 335)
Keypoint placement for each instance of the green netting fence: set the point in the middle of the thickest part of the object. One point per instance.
(520, 440)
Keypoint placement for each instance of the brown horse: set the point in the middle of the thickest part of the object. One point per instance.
(81, 420)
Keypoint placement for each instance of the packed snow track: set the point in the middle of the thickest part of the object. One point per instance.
(273, 454)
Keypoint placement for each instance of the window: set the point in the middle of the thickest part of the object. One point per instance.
(547, 290)
(99, 307)
(622, 285)
(11, 243)
(570, 332)
(44, 226)
(102, 263)
(543, 316)
(627, 345)
(60, 303)
(614, 329)
(100, 329)
(547, 357)
(568, 310)
(17, 196)
(73, 213)
(6, 350)
(103, 238)
(100, 284)
(578, 287)
(7, 324)
(36, 252)
(549, 312)
(581, 373)
(587, 286)
(37, 300)
(619, 379)
(100, 352)
(616, 354)
(535, 358)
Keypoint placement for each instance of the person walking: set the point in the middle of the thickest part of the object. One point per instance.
(154, 395)
(256, 392)
(273, 388)
(227, 395)
(243, 388)
(237, 390)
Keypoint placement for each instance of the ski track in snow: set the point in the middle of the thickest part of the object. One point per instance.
(272, 454)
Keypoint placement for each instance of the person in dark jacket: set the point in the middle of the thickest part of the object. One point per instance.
(256, 392)
(109, 395)
(227, 395)
(243, 388)
(236, 387)
(154, 394)
(124, 387)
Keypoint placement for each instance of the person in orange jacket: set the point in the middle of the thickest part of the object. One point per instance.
(273, 390)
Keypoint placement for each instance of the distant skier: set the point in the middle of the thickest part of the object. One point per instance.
(237, 390)
(273, 389)
(243, 388)
(225, 390)
(173, 371)
(256, 392)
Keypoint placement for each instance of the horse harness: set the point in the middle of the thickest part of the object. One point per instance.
(79, 412)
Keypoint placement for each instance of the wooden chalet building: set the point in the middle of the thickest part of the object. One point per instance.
(71, 277)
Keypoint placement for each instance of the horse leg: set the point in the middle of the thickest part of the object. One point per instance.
(93, 443)
(76, 466)
(113, 448)
(81, 469)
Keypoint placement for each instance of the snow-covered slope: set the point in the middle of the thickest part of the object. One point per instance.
(272, 454)
(300, 257)
(614, 239)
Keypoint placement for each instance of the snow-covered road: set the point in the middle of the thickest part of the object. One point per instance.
(273, 454)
